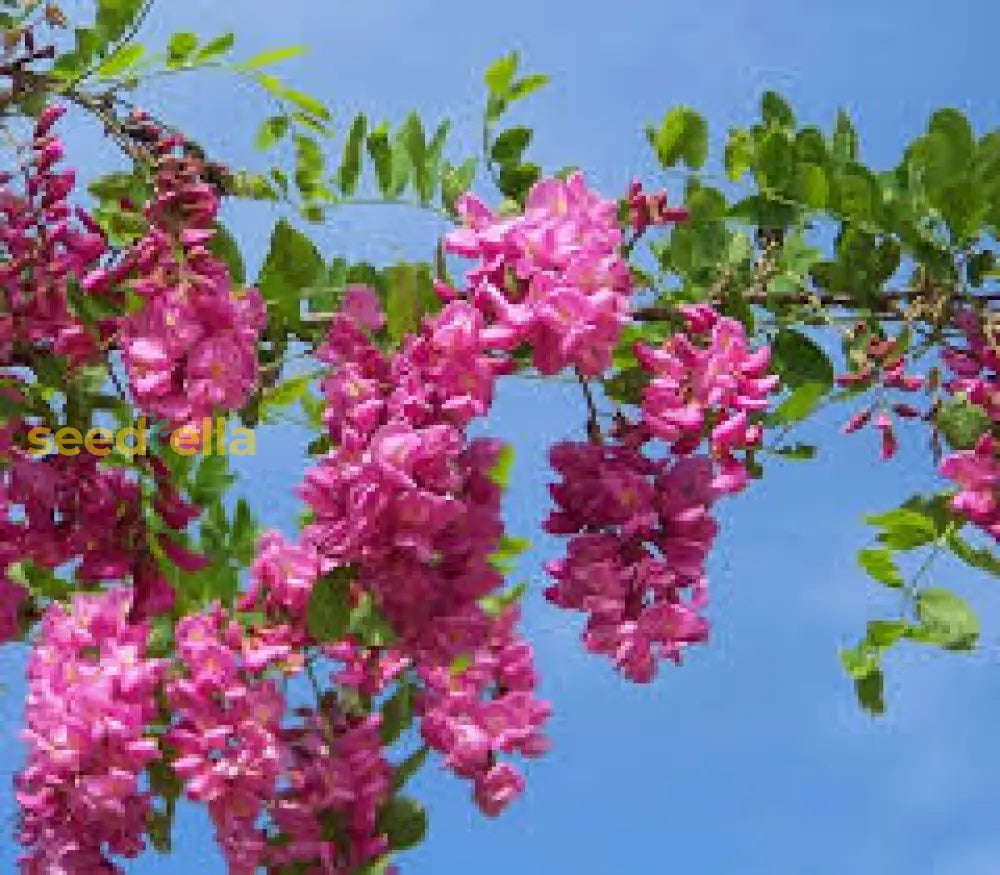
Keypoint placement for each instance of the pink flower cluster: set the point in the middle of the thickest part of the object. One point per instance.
(408, 500)
(640, 534)
(976, 370)
(641, 529)
(553, 277)
(191, 351)
(273, 790)
(45, 247)
(336, 780)
(708, 383)
(883, 367)
(471, 730)
(646, 209)
(70, 509)
(12, 595)
(404, 495)
(227, 734)
(90, 702)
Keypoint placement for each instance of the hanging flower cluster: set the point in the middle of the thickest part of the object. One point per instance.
(976, 471)
(91, 697)
(191, 350)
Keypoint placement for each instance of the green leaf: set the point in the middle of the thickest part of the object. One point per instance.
(627, 386)
(285, 394)
(884, 633)
(504, 466)
(981, 266)
(947, 619)
(274, 56)
(961, 422)
(952, 125)
(400, 163)
(403, 821)
(738, 154)
(121, 60)
(293, 263)
(800, 404)
(114, 17)
(856, 194)
(683, 136)
(416, 150)
(845, 140)
(499, 75)
(369, 624)
(455, 181)
(211, 480)
(216, 47)
(870, 691)
(350, 165)
(528, 85)
(72, 63)
(508, 148)
(397, 713)
(158, 827)
(409, 297)
(881, 566)
(271, 131)
(775, 110)
(516, 180)
(800, 360)
(903, 528)
(381, 155)
(496, 604)
(797, 451)
(812, 186)
(379, 866)
(934, 508)
(329, 612)
(180, 48)
(859, 661)
(244, 533)
(308, 103)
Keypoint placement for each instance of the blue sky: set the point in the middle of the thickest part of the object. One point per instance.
(752, 757)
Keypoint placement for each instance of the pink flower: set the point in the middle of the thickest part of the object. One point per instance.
(977, 472)
(90, 698)
(553, 277)
(362, 304)
(497, 788)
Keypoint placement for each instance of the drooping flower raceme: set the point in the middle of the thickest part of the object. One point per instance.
(707, 383)
(640, 529)
(90, 703)
(976, 376)
(46, 247)
(191, 351)
(553, 277)
(228, 730)
(640, 533)
(882, 366)
(408, 499)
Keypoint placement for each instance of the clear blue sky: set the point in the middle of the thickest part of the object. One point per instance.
(753, 757)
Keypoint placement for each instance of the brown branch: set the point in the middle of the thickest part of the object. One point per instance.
(889, 302)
